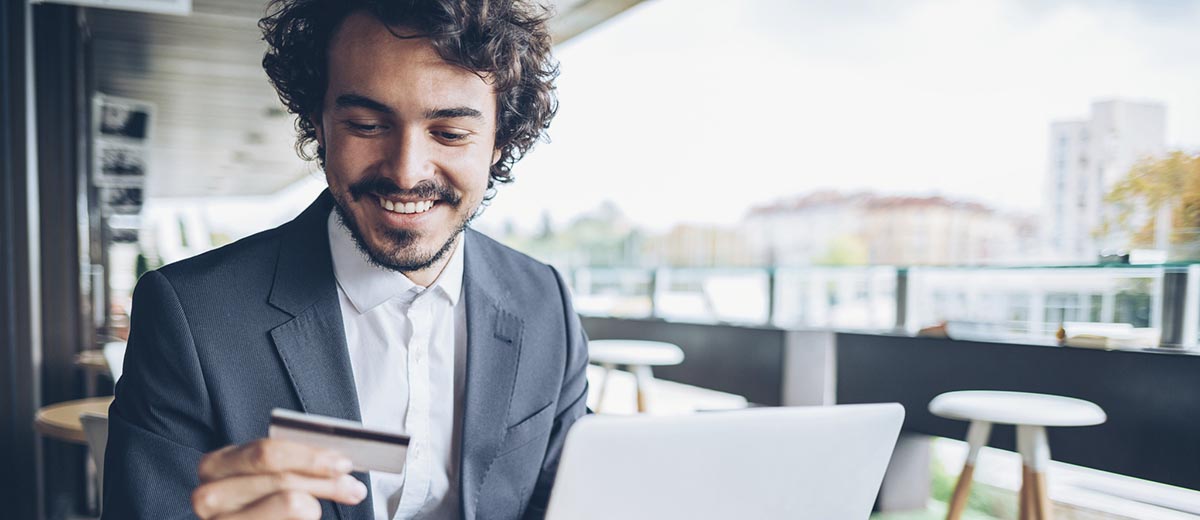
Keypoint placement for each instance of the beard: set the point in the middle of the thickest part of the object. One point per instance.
(399, 249)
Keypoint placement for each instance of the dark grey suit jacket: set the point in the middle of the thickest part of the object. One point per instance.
(220, 339)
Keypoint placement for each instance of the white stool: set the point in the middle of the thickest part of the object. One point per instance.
(1031, 414)
(639, 356)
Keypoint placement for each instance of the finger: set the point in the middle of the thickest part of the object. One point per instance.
(272, 456)
(235, 493)
(289, 505)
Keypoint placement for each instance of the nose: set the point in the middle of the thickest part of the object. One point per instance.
(409, 160)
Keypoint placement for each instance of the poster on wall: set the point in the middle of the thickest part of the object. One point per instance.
(123, 229)
(121, 133)
(121, 166)
(121, 201)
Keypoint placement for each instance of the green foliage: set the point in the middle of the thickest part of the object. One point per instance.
(984, 503)
(845, 250)
(1170, 182)
(220, 239)
(143, 265)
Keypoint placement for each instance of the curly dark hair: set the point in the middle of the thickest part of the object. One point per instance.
(505, 41)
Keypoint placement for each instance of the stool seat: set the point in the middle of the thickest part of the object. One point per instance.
(638, 356)
(1018, 408)
(1032, 414)
(634, 352)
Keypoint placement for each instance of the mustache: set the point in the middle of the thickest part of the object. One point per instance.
(426, 189)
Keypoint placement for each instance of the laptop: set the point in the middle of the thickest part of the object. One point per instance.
(822, 463)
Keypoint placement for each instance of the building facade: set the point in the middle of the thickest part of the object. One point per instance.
(1086, 157)
(829, 228)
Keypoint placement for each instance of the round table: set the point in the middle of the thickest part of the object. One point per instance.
(638, 355)
(92, 359)
(93, 364)
(61, 420)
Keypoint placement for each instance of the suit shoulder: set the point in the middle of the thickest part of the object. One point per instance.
(519, 276)
(251, 258)
(509, 260)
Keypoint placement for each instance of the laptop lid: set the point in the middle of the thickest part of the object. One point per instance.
(805, 462)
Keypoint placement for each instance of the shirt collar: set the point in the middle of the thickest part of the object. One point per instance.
(367, 285)
(450, 282)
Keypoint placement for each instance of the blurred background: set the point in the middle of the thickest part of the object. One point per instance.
(817, 201)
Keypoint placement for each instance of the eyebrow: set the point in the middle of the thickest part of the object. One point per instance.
(360, 101)
(355, 100)
(453, 113)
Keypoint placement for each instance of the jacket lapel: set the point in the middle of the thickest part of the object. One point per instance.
(493, 347)
(312, 345)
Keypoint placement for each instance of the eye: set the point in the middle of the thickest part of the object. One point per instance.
(450, 137)
(365, 128)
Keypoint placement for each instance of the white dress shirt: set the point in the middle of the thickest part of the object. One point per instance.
(408, 352)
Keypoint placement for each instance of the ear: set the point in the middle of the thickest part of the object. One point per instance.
(315, 119)
(496, 156)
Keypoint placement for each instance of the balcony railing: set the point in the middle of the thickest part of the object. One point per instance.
(1154, 305)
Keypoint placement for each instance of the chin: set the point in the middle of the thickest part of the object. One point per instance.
(399, 248)
(408, 251)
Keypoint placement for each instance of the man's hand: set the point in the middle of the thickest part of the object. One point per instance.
(270, 478)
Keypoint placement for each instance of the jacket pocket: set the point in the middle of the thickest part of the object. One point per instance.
(528, 429)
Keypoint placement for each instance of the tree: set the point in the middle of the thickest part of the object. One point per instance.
(845, 250)
(1171, 182)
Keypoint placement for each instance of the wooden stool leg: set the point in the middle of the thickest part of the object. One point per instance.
(962, 490)
(1041, 464)
(1024, 498)
(644, 378)
(1035, 461)
(603, 386)
(977, 437)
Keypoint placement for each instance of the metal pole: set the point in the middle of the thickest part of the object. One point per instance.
(654, 292)
(1191, 309)
(1174, 303)
(771, 296)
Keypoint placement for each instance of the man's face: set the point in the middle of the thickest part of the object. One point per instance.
(409, 140)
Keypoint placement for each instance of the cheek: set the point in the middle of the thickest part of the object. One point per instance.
(349, 159)
(471, 171)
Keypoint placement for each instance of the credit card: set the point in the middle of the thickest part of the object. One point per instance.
(367, 449)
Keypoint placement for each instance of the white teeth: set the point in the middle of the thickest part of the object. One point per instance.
(407, 207)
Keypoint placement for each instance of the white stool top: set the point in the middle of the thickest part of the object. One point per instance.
(1016, 408)
(634, 352)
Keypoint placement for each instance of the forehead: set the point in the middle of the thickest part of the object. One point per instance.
(367, 58)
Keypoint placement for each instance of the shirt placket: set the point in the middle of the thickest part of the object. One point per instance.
(417, 477)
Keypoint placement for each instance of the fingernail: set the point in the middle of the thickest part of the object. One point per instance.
(357, 489)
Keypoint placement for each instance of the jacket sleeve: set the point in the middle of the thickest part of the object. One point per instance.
(160, 422)
(572, 403)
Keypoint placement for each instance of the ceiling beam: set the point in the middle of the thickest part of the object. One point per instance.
(574, 18)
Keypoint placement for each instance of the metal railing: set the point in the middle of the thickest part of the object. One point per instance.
(998, 303)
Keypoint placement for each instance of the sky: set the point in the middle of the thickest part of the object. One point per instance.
(697, 110)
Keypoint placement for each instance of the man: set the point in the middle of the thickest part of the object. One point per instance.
(376, 303)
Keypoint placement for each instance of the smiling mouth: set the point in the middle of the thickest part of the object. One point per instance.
(406, 208)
